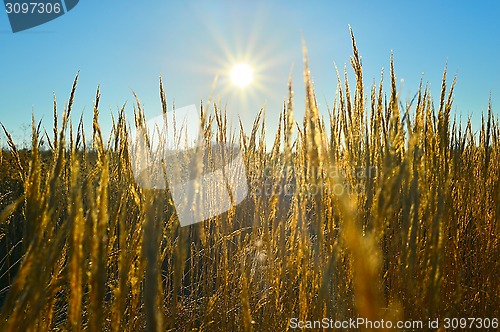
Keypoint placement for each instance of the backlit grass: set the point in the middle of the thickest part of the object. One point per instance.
(416, 236)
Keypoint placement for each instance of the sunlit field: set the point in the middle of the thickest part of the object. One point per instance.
(376, 207)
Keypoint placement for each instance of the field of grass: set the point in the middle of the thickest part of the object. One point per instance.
(393, 213)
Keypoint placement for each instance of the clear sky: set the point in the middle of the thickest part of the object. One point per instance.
(126, 45)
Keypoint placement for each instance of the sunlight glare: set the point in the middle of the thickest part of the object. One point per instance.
(241, 75)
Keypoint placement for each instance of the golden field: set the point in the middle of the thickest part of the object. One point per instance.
(85, 248)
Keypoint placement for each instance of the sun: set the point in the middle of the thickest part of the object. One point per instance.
(241, 75)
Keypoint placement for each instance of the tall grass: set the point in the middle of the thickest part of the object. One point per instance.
(416, 236)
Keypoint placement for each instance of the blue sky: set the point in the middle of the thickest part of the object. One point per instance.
(127, 45)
